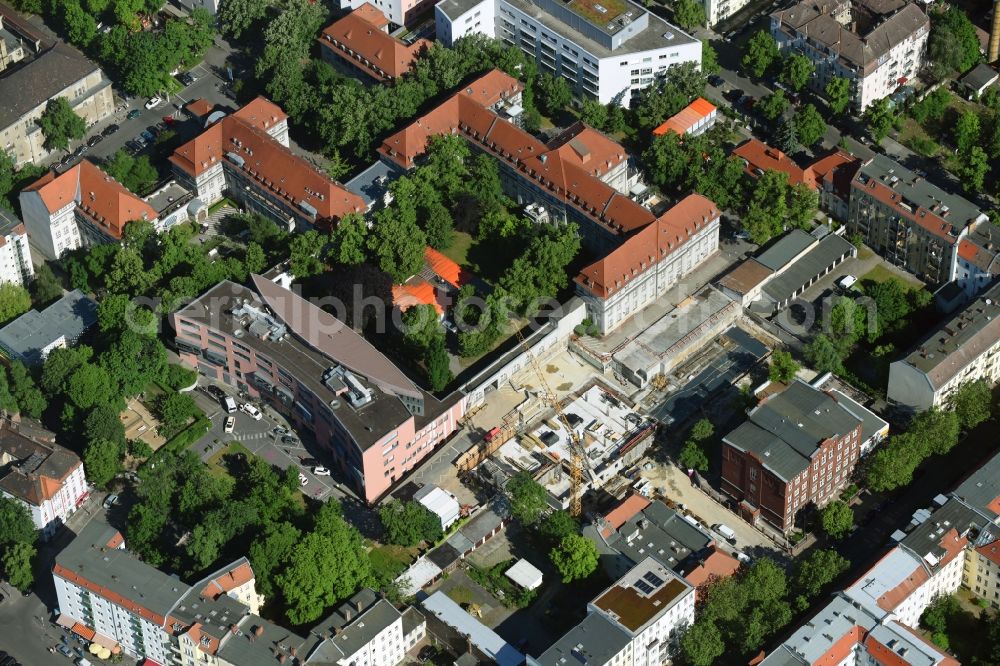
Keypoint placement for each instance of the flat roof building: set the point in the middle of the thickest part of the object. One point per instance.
(32, 336)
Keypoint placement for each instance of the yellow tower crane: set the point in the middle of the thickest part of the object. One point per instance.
(577, 453)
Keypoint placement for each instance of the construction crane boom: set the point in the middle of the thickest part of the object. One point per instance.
(577, 454)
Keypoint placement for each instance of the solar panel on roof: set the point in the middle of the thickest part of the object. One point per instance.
(653, 579)
(643, 586)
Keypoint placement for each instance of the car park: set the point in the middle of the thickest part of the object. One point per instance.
(251, 411)
(321, 471)
(153, 102)
(109, 130)
(110, 501)
(230, 424)
(134, 113)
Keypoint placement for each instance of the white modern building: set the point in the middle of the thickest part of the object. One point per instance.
(46, 478)
(607, 50)
(15, 254)
(965, 349)
(650, 262)
(719, 10)
(441, 503)
(878, 46)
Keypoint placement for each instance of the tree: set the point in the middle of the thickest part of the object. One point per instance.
(892, 465)
(397, 241)
(709, 59)
(558, 525)
(880, 117)
(88, 386)
(838, 93)
(702, 430)
(837, 519)
(796, 71)
(575, 557)
(761, 52)
(45, 288)
(976, 166)
(269, 555)
(30, 400)
(14, 301)
(967, 132)
(528, 498)
(666, 160)
(594, 113)
(102, 460)
(81, 26)
(409, 523)
(134, 360)
(972, 402)
(15, 523)
(783, 367)
(803, 202)
(693, 456)
(305, 251)
(768, 207)
(237, 17)
(824, 356)
(135, 173)
(953, 44)
(347, 240)
(175, 410)
(774, 105)
(59, 123)
(702, 644)
(554, 93)
(17, 565)
(689, 14)
(817, 570)
(931, 107)
(255, 260)
(809, 126)
(437, 363)
(668, 95)
(60, 365)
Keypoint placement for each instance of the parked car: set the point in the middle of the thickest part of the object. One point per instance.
(94, 140)
(847, 282)
(321, 471)
(303, 480)
(230, 424)
(153, 102)
(109, 130)
(228, 404)
(215, 391)
(186, 78)
(110, 501)
(278, 431)
(310, 462)
(147, 136)
(251, 411)
(716, 81)
(66, 651)
(81, 150)
(291, 440)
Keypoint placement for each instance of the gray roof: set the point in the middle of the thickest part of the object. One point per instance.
(926, 538)
(455, 8)
(871, 423)
(247, 649)
(596, 640)
(863, 51)
(35, 81)
(29, 334)
(785, 431)
(815, 262)
(808, 644)
(352, 626)
(8, 221)
(482, 637)
(659, 532)
(372, 183)
(118, 571)
(982, 489)
(980, 76)
(956, 344)
(789, 246)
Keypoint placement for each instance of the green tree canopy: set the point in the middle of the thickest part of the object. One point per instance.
(102, 460)
(774, 105)
(689, 14)
(838, 93)
(783, 367)
(409, 523)
(15, 523)
(347, 240)
(305, 250)
(60, 124)
(760, 53)
(880, 117)
(527, 497)
(14, 301)
(17, 565)
(837, 519)
(953, 44)
(817, 570)
(557, 525)
(809, 125)
(554, 93)
(575, 557)
(693, 456)
(796, 70)
(972, 403)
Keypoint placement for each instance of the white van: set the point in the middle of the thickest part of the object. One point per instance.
(727, 532)
(229, 404)
(847, 281)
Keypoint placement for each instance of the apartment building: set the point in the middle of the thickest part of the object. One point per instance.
(109, 597)
(246, 156)
(15, 253)
(909, 221)
(399, 12)
(797, 447)
(878, 45)
(36, 472)
(572, 179)
(362, 40)
(606, 50)
(634, 622)
(965, 349)
(32, 336)
(17, 38)
(45, 72)
(650, 262)
(717, 11)
(81, 206)
(274, 345)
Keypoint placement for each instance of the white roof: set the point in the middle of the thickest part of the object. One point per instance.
(437, 501)
(419, 574)
(484, 638)
(892, 570)
(525, 574)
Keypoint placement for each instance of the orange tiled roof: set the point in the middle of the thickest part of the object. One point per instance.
(266, 161)
(585, 147)
(418, 292)
(84, 631)
(199, 107)
(682, 121)
(627, 509)
(650, 245)
(717, 565)
(228, 581)
(362, 35)
(759, 155)
(447, 269)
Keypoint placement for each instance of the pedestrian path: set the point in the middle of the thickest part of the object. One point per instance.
(215, 219)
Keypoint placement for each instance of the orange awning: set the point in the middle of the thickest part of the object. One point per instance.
(83, 631)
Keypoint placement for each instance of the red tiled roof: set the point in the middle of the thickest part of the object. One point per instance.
(717, 565)
(228, 581)
(843, 648)
(838, 169)
(265, 161)
(925, 218)
(585, 147)
(627, 509)
(199, 107)
(361, 39)
(648, 246)
(102, 198)
(114, 597)
(445, 268)
(759, 155)
(682, 121)
(419, 292)
(83, 631)
(566, 177)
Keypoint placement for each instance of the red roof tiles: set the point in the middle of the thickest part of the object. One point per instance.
(228, 581)
(687, 118)
(627, 509)
(199, 107)
(837, 169)
(419, 292)
(761, 156)
(648, 246)
(361, 39)
(585, 147)
(716, 566)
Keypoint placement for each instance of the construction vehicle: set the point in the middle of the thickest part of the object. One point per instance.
(577, 453)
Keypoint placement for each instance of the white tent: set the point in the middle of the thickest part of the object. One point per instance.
(525, 575)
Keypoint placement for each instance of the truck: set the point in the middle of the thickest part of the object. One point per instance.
(727, 532)
(229, 404)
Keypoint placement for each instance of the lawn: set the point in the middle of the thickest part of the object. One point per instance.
(390, 561)
(461, 595)
(915, 137)
(216, 464)
(881, 274)
(459, 250)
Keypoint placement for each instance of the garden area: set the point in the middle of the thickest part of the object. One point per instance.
(964, 625)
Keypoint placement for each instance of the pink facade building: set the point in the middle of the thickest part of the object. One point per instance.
(272, 344)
